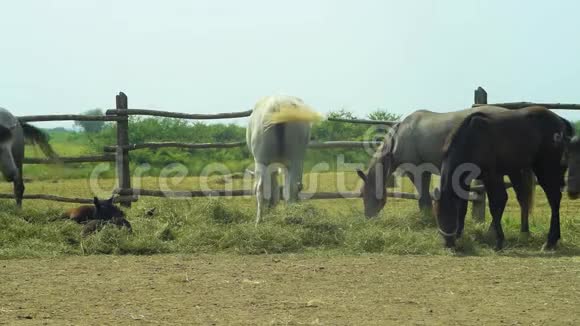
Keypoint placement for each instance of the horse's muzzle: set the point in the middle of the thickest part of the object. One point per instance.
(449, 238)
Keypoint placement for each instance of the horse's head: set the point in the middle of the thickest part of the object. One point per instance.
(373, 191)
(106, 209)
(445, 208)
(573, 162)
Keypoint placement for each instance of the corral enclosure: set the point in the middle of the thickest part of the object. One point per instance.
(119, 153)
(314, 263)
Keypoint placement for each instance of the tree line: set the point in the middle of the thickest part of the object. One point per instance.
(155, 129)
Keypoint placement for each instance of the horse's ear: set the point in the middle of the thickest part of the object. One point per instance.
(559, 138)
(361, 174)
(96, 201)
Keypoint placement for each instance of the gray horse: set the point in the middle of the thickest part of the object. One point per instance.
(13, 135)
(415, 146)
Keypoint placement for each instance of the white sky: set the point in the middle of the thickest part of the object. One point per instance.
(68, 56)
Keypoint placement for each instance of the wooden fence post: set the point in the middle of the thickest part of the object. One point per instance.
(123, 172)
(478, 208)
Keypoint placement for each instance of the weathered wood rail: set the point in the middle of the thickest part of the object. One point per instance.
(119, 153)
(246, 192)
(319, 145)
(79, 159)
(179, 115)
(67, 199)
(521, 105)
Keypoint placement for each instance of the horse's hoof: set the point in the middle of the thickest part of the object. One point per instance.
(450, 250)
(549, 247)
(524, 236)
(449, 242)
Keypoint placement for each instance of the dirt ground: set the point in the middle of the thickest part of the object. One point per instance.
(291, 290)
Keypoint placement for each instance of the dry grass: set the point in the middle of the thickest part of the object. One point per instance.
(226, 225)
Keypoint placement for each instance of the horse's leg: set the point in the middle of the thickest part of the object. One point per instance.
(498, 197)
(461, 207)
(19, 178)
(275, 198)
(461, 212)
(259, 174)
(286, 190)
(425, 203)
(523, 192)
(300, 173)
(19, 190)
(414, 182)
(294, 176)
(422, 185)
(551, 186)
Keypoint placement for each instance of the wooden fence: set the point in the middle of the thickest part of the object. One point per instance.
(119, 153)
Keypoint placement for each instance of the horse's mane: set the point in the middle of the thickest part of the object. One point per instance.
(386, 147)
(570, 130)
(457, 134)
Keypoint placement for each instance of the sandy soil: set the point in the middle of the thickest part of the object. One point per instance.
(291, 290)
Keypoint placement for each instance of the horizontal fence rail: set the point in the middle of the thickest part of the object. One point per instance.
(246, 192)
(179, 115)
(67, 199)
(327, 144)
(155, 145)
(364, 121)
(81, 159)
(229, 115)
(520, 105)
(69, 117)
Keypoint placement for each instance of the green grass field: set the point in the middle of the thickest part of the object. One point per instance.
(211, 225)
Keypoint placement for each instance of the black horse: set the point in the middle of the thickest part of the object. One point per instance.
(488, 146)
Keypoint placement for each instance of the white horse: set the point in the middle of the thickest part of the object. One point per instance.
(277, 136)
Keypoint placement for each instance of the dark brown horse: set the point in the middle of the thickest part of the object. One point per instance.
(100, 210)
(488, 146)
(101, 213)
(573, 158)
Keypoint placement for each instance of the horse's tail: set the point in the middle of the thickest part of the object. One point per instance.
(280, 132)
(39, 138)
(529, 183)
(5, 134)
(291, 113)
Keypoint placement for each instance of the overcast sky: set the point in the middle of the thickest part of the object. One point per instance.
(68, 56)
